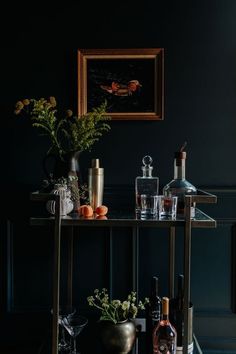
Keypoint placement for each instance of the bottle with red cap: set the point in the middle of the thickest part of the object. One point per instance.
(179, 186)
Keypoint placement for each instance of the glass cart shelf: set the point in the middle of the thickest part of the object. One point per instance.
(118, 219)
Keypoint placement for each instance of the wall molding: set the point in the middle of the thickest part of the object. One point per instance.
(233, 268)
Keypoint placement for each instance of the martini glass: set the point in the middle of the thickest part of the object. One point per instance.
(74, 325)
(63, 345)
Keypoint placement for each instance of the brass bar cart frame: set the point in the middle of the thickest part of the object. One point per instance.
(201, 220)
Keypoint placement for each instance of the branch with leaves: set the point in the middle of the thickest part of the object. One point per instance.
(70, 133)
(116, 310)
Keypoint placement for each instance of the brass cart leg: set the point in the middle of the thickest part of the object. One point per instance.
(171, 262)
(135, 257)
(135, 271)
(187, 262)
(56, 275)
(70, 269)
(110, 260)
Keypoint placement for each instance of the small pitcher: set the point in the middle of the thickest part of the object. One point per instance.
(66, 205)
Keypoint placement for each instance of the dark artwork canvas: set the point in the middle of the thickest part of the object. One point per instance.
(126, 84)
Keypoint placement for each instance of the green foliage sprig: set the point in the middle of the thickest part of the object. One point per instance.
(76, 193)
(116, 310)
(70, 133)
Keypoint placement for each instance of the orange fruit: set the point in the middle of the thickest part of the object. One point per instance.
(87, 211)
(102, 210)
(80, 209)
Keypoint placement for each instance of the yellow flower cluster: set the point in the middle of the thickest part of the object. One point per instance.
(69, 133)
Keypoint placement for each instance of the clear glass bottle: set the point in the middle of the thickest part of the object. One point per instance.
(153, 313)
(164, 334)
(145, 184)
(179, 186)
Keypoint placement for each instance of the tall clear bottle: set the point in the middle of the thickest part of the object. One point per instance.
(153, 313)
(145, 184)
(164, 334)
(179, 186)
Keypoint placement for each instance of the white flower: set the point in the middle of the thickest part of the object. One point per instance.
(125, 305)
(116, 303)
(115, 310)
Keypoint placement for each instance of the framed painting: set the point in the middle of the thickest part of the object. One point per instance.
(131, 81)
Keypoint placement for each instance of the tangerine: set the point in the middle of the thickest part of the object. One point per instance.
(87, 211)
(102, 210)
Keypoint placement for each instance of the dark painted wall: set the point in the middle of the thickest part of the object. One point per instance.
(39, 59)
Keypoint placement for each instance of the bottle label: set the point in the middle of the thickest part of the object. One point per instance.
(155, 315)
(166, 347)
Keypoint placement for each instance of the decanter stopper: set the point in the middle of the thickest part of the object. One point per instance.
(147, 168)
(145, 184)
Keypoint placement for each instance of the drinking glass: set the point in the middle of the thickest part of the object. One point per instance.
(167, 206)
(63, 344)
(148, 205)
(74, 325)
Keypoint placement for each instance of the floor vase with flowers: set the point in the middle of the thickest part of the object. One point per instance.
(117, 338)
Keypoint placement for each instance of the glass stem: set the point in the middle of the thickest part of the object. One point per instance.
(63, 336)
(74, 350)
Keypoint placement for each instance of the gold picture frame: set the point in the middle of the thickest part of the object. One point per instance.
(131, 81)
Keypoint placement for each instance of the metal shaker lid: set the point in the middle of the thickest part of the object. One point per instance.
(95, 163)
(95, 169)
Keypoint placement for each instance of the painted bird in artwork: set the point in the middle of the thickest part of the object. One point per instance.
(121, 89)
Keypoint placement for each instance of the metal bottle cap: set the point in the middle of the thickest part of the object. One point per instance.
(181, 155)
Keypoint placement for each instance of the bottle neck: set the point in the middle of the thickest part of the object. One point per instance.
(154, 287)
(165, 318)
(180, 294)
(165, 309)
(179, 169)
(147, 172)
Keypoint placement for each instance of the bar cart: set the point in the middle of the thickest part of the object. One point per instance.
(201, 220)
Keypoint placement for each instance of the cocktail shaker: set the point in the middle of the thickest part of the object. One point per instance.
(95, 184)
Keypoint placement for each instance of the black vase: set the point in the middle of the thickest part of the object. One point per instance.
(68, 165)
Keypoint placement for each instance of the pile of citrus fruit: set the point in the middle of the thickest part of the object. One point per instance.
(87, 211)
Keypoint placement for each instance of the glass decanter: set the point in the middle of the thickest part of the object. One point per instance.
(145, 184)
